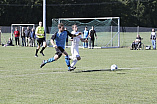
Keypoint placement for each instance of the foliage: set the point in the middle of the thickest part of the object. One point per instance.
(132, 12)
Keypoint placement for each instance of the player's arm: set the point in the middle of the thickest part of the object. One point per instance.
(89, 34)
(82, 40)
(95, 35)
(36, 32)
(73, 35)
(52, 40)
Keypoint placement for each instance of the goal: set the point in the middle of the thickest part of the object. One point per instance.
(107, 29)
(20, 28)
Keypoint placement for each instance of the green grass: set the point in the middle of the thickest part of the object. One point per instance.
(92, 82)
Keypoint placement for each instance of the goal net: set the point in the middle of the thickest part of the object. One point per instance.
(107, 29)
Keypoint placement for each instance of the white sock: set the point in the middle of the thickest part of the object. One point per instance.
(73, 63)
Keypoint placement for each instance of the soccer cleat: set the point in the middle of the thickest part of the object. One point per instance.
(43, 63)
(72, 68)
(42, 53)
(36, 55)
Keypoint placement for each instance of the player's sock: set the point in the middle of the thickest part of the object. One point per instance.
(49, 60)
(67, 61)
(36, 51)
(73, 63)
(42, 49)
(70, 57)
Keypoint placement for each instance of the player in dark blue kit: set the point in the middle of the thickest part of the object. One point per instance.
(60, 38)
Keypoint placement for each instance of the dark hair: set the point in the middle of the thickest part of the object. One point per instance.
(74, 25)
(60, 25)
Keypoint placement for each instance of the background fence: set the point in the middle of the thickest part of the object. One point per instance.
(7, 29)
(127, 35)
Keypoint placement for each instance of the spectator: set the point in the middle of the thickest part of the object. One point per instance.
(136, 43)
(33, 37)
(9, 43)
(153, 38)
(23, 37)
(85, 37)
(17, 34)
(27, 35)
(92, 35)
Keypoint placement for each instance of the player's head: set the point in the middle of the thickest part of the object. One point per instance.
(92, 27)
(16, 28)
(138, 35)
(28, 28)
(86, 28)
(61, 27)
(74, 27)
(65, 28)
(40, 23)
(153, 30)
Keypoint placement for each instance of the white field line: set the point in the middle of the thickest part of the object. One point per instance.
(55, 72)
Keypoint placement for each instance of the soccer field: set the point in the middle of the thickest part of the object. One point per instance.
(92, 82)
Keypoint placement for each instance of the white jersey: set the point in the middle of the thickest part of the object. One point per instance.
(75, 45)
(76, 40)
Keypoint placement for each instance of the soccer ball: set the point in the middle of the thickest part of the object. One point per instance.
(114, 67)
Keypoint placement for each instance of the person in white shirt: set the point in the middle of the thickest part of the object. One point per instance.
(75, 46)
(153, 38)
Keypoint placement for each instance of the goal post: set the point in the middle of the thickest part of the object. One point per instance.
(107, 29)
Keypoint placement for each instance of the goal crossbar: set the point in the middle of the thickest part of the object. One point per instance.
(88, 18)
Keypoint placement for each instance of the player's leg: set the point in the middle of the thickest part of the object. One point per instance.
(75, 61)
(22, 41)
(44, 46)
(67, 59)
(92, 43)
(76, 56)
(26, 41)
(18, 41)
(15, 40)
(38, 47)
(56, 57)
(86, 44)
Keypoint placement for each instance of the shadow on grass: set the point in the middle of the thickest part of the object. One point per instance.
(102, 70)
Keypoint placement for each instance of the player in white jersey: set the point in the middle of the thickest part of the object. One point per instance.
(75, 46)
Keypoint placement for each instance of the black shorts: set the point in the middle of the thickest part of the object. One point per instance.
(85, 38)
(40, 41)
(59, 51)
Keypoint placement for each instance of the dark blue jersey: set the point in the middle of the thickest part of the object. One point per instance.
(60, 38)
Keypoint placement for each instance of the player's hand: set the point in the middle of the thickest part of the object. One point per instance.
(79, 33)
(55, 46)
(86, 40)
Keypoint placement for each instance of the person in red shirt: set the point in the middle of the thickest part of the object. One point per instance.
(17, 35)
